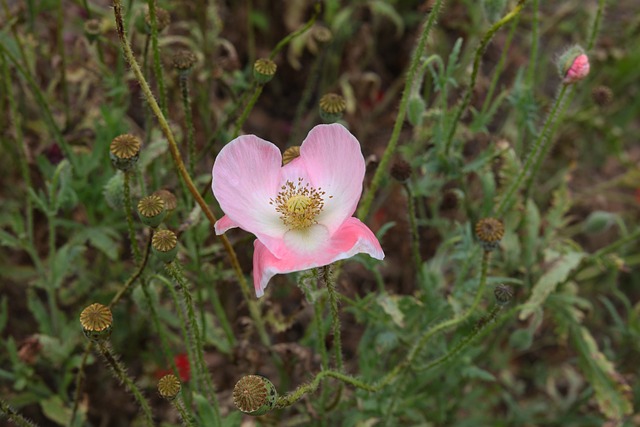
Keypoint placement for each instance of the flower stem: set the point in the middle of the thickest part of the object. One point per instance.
(135, 275)
(120, 373)
(247, 109)
(186, 104)
(415, 237)
(476, 66)
(174, 270)
(291, 398)
(329, 281)
(175, 154)
(63, 60)
(363, 211)
(535, 42)
(156, 55)
(13, 416)
(128, 212)
(527, 171)
(186, 418)
(596, 24)
(287, 39)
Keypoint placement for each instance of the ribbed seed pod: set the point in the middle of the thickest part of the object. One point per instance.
(503, 294)
(332, 106)
(169, 386)
(165, 245)
(124, 151)
(151, 210)
(96, 321)
(263, 70)
(489, 232)
(254, 395)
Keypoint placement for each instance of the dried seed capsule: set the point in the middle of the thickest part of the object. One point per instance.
(151, 210)
(183, 60)
(489, 231)
(503, 294)
(254, 395)
(401, 170)
(263, 70)
(96, 321)
(602, 95)
(124, 151)
(332, 107)
(169, 386)
(165, 245)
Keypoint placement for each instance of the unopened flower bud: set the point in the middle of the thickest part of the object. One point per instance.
(290, 154)
(113, 191)
(169, 386)
(96, 321)
(332, 106)
(151, 210)
(573, 65)
(170, 200)
(401, 170)
(263, 70)
(489, 232)
(254, 395)
(503, 294)
(124, 151)
(165, 245)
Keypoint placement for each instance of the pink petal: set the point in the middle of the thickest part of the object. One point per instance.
(246, 176)
(351, 238)
(334, 162)
(224, 224)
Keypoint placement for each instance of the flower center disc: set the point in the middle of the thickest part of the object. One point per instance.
(299, 204)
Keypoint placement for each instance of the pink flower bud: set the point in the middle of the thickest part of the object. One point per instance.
(578, 70)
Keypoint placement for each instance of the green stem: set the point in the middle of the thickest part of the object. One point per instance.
(174, 270)
(330, 283)
(128, 213)
(247, 109)
(79, 383)
(186, 418)
(8, 18)
(415, 237)
(291, 398)
(135, 275)
(527, 170)
(322, 348)
(363, 211)
(13, 416)
(476, 67)
(596, 24)
(222, 316)
(121, 374)
(497, 71)
(156, 55)
(186, 104)
(285, 41)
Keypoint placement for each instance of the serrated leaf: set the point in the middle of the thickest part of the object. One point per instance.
(9, 240)
(561, 266)
(612, 393)
(390, 306)
(64, 262)
(103, 239)
(38, 311)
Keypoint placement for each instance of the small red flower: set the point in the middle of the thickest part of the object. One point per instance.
(184, 369)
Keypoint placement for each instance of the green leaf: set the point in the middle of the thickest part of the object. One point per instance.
(232, 420)
(475, 373)
(101, 238)
(205, 411)
(390, 306)
(9, 240)
(64, 263)
(54, 409)
(612, 393)
(561, 266)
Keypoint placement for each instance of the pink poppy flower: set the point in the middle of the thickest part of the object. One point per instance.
(301, 213)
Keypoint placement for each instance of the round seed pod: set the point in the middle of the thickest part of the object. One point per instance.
(602, 95)
(125, 151)
(92, 29)
(263, 70)
(163, 19)
(96, 321)
(254, 395)
(165, 245)
(489, 232)
(151, 210)
(401, 170)
(170, 200)
(169, 386)
(332, 106)
(183, 60)
(503, 294)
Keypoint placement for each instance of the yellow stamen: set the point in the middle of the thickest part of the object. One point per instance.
(299, 204)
